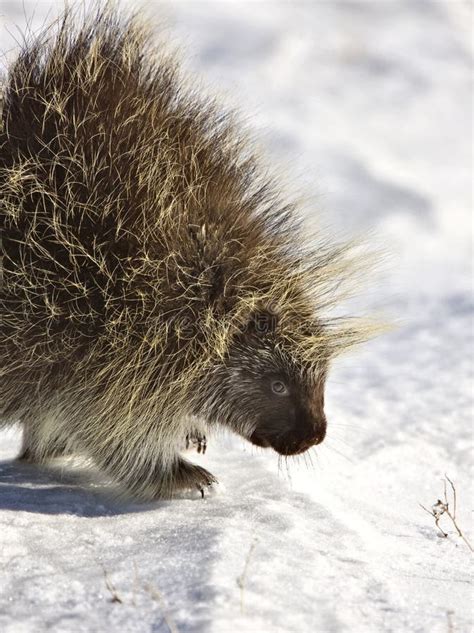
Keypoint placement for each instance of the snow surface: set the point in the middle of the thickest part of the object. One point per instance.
(370, 104)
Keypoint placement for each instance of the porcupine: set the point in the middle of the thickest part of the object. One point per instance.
(156, 281)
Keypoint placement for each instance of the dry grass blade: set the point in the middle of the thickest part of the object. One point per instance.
(156, 595)
(113, 592)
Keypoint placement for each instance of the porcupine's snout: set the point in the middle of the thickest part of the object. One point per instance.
(302, 431)
(307, 433)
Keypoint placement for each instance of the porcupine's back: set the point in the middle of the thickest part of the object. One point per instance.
(133, 221)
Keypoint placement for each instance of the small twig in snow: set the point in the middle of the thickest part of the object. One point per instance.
(113, 592)
(243, 575)
(442, 507)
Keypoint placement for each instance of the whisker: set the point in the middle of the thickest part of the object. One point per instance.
(310, 457)
(339, 439)
(351, 461)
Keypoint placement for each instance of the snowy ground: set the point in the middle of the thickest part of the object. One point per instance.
(370, 104)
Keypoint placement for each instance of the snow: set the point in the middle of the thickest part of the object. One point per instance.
(370, 104)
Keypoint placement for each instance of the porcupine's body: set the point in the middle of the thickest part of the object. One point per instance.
(154, 284)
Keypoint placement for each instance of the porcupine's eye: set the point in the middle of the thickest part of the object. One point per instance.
(279, 388)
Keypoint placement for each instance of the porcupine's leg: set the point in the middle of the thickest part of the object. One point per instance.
(147, 478)
(35, 449)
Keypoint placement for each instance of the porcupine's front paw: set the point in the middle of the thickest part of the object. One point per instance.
(198, 440)
(188, 476)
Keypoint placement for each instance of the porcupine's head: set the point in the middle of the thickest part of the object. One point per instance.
(269, 387)
(280, 395)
